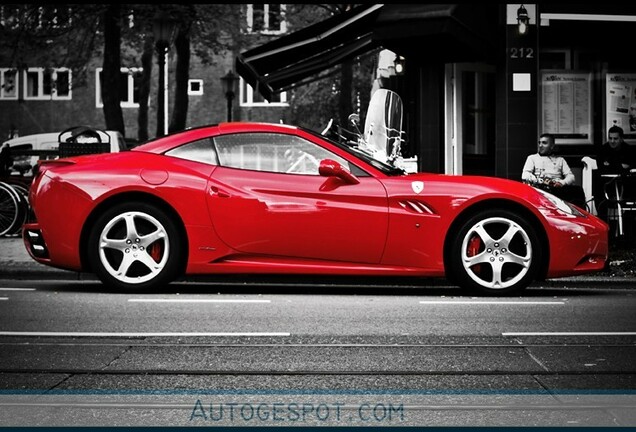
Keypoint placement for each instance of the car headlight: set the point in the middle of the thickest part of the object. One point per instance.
(561, 205)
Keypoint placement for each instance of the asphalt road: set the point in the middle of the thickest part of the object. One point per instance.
(250, 354)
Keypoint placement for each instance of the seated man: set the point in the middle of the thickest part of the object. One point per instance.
(615, 156)
(552, 173)
(613, 182)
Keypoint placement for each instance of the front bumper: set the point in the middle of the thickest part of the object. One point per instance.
(577, 246)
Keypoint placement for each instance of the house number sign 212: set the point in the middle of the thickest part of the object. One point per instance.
(521, 53)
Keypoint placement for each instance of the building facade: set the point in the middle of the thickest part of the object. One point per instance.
(481, 81)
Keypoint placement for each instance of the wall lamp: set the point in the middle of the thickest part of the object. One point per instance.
(399, 64)
(522, 20)
(228, 82)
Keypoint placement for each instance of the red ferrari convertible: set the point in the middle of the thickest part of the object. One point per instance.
(256, 198)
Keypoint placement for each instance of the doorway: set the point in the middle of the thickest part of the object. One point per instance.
(469, 125)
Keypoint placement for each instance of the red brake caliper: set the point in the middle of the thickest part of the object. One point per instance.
(474, 245)
(155, 250)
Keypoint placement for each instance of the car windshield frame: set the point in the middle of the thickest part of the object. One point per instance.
(383, 167)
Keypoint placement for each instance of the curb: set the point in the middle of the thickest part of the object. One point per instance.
(33, 271)
(36, 273)
(16, 264)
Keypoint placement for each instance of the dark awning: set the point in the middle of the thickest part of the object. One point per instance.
(452, 32)
(289, 59)
(442, 33)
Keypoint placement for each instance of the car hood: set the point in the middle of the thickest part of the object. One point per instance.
(467, 185)
(462, 190)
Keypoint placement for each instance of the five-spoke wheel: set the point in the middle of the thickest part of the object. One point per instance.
(496, 252)
(134, 246)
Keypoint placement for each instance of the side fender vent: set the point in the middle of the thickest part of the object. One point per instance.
(416, 207)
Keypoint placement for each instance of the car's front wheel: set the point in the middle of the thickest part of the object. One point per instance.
(495, 252)
(134, 246)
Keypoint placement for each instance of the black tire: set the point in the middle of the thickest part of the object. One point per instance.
(135, 247)
(496, 252)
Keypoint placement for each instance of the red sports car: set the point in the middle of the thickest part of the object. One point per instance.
(256, 198)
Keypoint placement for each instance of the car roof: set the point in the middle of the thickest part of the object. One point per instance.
(167, 142)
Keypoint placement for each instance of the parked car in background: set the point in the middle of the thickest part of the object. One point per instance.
(26, 150)
(249, 198)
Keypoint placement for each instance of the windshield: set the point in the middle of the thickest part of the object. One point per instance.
(379, 165)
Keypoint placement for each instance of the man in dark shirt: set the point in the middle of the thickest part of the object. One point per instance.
(613, 181)
(615, 156)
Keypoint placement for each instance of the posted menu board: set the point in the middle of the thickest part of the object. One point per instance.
(566, 106)
(621, 104)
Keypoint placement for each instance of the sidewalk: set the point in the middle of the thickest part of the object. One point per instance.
(15, 263)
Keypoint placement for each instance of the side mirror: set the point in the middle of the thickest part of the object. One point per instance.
(331, 168)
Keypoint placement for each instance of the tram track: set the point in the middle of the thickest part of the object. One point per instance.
(128, 357)
(236, 383)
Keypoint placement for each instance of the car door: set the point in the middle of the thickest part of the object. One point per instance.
(267, 198)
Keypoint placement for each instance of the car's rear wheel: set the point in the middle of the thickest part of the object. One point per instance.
(134, 246)
(496, 252)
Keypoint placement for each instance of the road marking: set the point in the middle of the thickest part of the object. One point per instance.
(4, 298)
(17, 289)
(140, 334)
(197, 301)
(569, 334)
(494, 302)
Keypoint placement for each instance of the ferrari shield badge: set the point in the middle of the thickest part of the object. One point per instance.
(417, 186)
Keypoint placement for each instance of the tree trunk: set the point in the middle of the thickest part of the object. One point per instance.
(144, 90)
(113, 115)
(182, 74)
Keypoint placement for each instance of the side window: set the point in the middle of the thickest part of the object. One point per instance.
(49, 83)
(129, 83)
(198, 151)
(8, 83)
(250, 98)
(266, 18)
(272, 152)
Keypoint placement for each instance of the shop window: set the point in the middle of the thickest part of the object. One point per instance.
(8, 84)
(47, 83)
(266, 18)
(585, 60)
(250, 98)
(129, 83)
(555, 59)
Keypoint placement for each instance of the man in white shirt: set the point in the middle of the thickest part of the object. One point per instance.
(544, 167)
(550, 172)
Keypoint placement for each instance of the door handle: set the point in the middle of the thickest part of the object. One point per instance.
(219, 192)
